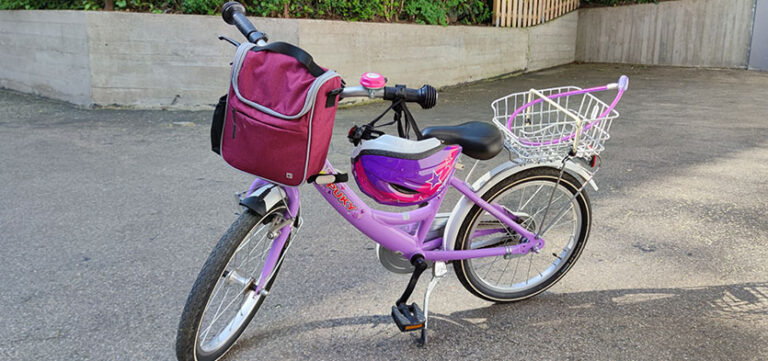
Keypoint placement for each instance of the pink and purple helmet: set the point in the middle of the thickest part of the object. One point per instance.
(401, 172)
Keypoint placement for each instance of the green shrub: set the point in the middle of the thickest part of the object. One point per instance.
(421, 11)
(207, 7)
(41, 4)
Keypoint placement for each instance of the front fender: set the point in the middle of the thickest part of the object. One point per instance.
(488, 180)
(264, 198)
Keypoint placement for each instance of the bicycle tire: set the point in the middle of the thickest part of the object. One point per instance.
(188, 347)
(468, 272)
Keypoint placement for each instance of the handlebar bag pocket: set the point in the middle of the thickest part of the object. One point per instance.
(217, 123)
(279, 114)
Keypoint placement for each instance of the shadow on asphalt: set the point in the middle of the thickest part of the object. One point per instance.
(624, 313)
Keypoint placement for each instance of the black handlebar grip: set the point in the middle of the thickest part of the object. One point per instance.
(229, 9)
(426, 96)
(233, 13)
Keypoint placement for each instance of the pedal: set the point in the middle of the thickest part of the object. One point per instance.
(408, 317)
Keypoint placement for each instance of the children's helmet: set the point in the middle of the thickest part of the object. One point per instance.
(401, 172)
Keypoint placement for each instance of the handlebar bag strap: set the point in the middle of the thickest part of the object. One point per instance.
(295, 52)
(277, 125)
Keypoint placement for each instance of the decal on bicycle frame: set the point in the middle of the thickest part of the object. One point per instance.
(341, 197)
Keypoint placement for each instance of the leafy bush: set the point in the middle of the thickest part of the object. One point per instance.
(42, 4)
(420, 11)
(207, 7)
(155, 6)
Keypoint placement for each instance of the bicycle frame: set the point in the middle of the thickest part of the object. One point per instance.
(419, 235)
(387, 228)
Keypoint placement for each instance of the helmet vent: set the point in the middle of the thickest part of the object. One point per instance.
(402, 189)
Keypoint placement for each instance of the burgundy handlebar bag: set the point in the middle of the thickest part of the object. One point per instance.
(279, 113)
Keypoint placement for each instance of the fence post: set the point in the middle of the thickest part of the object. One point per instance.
(524, 13)
(530, 12)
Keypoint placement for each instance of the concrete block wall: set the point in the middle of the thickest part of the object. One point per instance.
(710, 33)
(175, 61)
(156, 60)
(415, 54)
(46, 53)
(553, 44)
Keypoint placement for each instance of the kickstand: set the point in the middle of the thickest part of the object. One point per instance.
(438, 271)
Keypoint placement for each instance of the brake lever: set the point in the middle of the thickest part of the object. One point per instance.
(222, 37)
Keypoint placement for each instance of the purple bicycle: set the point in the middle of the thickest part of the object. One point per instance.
(514, 233)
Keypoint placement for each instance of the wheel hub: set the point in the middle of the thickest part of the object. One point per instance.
(234, 277)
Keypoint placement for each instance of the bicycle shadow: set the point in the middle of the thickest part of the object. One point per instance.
(716, 322)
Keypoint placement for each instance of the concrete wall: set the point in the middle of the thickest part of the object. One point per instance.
(758, 54)
(45, 53)
(713, 33)
(554, 43)
(175, 61)
(156, 60)
(415, 54)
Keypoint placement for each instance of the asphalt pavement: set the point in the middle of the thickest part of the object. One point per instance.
(106, 216)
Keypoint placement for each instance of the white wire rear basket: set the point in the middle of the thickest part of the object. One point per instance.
(544, 130)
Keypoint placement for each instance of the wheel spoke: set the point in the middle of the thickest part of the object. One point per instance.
(554, 226)
(562, 214)
(530, 261)
(532, 198)
(490, 267)
(515, 272)
(216, 314)
(216, 317)
(250, 238)
(227, 312)
(502, 272)
(222, 284)
(542, 209)
(255, 247)
(263, 256)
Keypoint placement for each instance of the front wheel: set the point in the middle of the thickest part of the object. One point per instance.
(526, 195)
(223, 299)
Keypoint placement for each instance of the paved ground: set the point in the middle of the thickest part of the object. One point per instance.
(106, 217)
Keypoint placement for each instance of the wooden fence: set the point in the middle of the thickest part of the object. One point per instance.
(523, 13)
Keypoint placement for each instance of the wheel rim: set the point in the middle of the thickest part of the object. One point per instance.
(527, 201)
(234, 298)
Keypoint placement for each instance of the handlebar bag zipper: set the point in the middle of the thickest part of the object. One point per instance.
(279, 118)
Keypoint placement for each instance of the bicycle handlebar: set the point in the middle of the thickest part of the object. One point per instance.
(426, 96)
(233, 13)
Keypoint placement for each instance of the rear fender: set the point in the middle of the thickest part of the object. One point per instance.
(488, 180)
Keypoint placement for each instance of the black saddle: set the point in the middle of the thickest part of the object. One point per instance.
(478, 140)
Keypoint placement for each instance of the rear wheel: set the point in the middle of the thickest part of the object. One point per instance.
(223, 299)
(565, 225)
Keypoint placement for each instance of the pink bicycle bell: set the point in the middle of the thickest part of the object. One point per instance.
(393, 177)
(373, 81)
